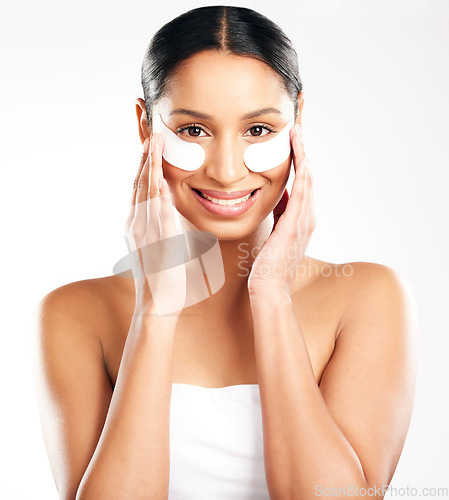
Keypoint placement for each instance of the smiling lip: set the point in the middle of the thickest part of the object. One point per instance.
(225, 195)
(227, 210)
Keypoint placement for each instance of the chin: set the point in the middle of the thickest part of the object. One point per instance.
(232, 231)
(224, 228)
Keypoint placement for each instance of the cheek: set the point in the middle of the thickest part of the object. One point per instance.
(278, 180)
(279, 175)
(171, 174)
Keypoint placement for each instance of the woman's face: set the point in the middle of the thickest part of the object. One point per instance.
(225, 87)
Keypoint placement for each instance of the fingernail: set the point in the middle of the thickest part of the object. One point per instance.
(159, 183)
(145, 146)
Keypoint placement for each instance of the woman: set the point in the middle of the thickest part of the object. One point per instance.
(293, 380)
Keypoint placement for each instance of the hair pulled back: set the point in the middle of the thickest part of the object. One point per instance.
(230, 30)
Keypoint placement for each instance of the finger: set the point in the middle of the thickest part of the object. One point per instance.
(131, 212)
(289, 221)
(168, 225)
(140, 212)
(293, 208)
(156, 164)
(305, 209)
(153, 207)
(143, 159)
(297, 147)
(311, 222)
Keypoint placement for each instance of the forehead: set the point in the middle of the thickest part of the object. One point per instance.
(226, 85)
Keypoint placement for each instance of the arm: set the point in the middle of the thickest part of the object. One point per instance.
(103, 444)
(349, 431)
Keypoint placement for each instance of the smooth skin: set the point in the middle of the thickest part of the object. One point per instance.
(337, 342)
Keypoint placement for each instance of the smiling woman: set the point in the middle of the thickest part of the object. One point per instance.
(292, 379)
(248, 114)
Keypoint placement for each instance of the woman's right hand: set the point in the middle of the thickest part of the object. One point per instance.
(151, 232)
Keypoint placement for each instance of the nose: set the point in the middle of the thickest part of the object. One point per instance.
(224, 161)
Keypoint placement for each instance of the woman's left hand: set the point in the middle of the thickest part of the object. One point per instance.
(275, 267)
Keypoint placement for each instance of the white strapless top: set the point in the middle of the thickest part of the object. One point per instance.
(216, 443)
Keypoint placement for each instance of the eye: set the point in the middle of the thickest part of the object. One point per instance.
(193, 130)
(258, 129)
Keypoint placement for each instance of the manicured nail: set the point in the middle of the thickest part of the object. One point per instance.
(145, 146)
(159, 183)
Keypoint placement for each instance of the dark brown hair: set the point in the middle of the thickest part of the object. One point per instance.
(233, 30)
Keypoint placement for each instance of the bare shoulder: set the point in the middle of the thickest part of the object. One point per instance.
(78, 302)
(80, 314)
(374, 287)
(88, 301)
(353, 287)
(351, 274)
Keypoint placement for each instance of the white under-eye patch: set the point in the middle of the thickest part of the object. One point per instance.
(182, 154)
(266, 155)
(258, 157)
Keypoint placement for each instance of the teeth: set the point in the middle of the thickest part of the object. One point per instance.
(227, 202)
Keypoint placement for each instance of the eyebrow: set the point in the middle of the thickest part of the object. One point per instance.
(203, 116)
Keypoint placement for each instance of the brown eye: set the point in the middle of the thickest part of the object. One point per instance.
(194, 131)
(191, 131)
(258, 130)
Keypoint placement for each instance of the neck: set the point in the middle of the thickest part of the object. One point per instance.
(238, 256)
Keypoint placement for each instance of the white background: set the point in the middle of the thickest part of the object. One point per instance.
(375, 124)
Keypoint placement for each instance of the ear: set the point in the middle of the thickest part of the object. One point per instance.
(144, 130)
(300, 98)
